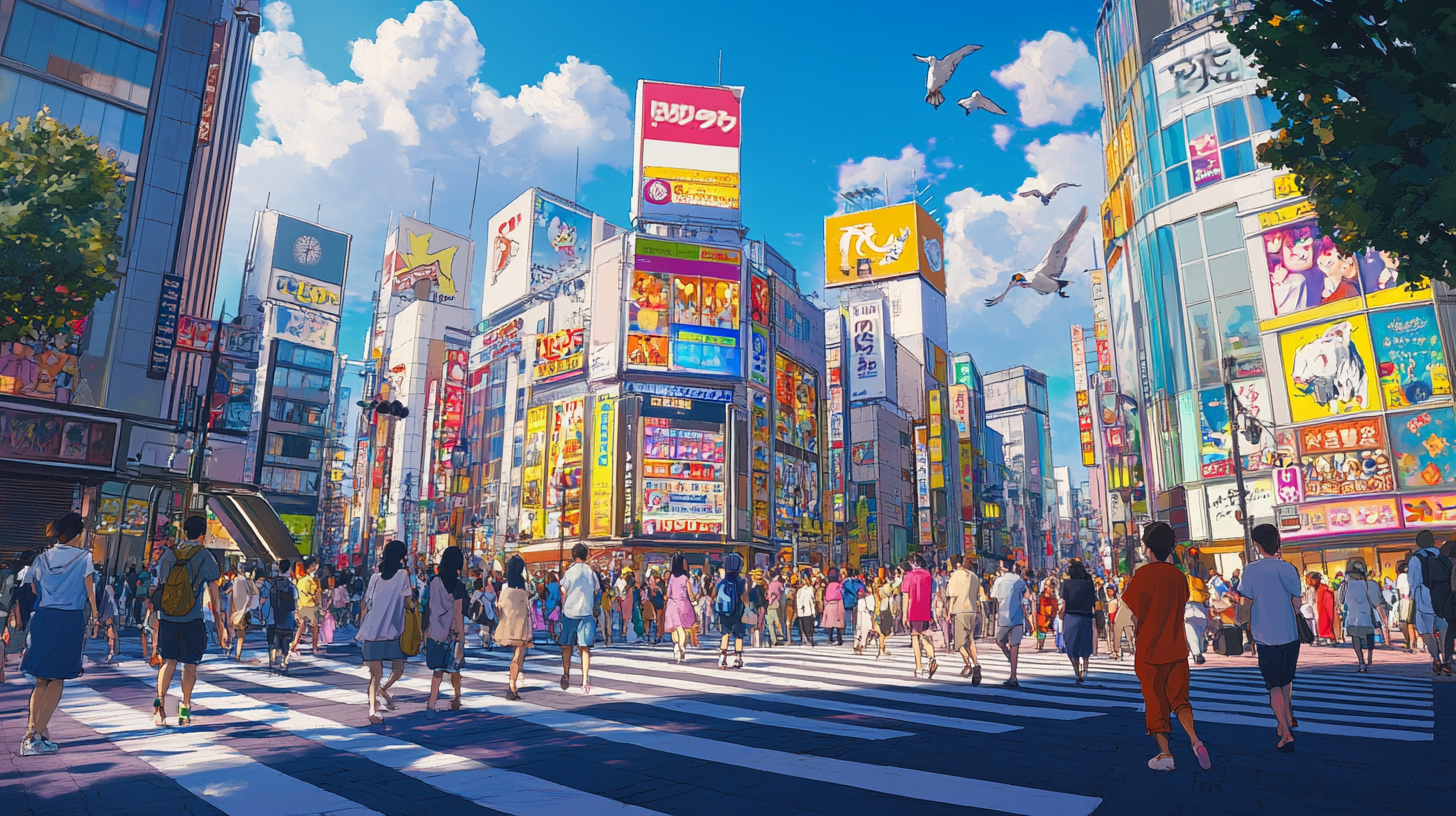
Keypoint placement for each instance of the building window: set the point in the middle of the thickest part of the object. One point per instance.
(292, 446)
(137, 20)
(289, 480)
(80, 54)
(300, 413)
(304, 356)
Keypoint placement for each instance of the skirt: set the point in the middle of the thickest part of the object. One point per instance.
(57, 637)
(833, 615)
(1077, 634)
(441, 656)
(381, 650)
(679, 615)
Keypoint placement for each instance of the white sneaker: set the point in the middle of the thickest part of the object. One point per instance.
(48, 747)
(31, 747)
(1162, 763)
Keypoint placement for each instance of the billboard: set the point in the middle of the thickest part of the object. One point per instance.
(888, 242)
(561, 239)
(684, 470)
(297, 290)
(760, 446)
(424, 262)
(687, 152)
(1409, 356)
(508, 253)
(796, 394)
(303, 326)
(1344, 458)
(868, 371)
(563, 475)
(684, 309)
(601, 508)
(1329, 369)
(1421, 442)
(758, 356)
(559, 355)
(310, 250)
(1347, 516)
(533, 474)
(501, 341)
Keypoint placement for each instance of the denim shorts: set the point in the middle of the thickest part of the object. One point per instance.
(580, 632)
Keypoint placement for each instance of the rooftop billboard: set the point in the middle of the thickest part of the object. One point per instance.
(687, 151)
(888, 242)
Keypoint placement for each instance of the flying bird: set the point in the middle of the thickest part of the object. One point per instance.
(977, 101)
(940, 71)
(1046, 278)
(1047, 197)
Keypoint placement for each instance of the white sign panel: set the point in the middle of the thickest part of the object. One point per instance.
(868, 378)
(1223, 506)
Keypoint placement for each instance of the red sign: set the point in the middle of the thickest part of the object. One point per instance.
(690, 114)
(559, 354)
(209, 92)
(759, 302)
(1349, 435)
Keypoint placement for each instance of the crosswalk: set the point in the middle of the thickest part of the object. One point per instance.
(822, 723)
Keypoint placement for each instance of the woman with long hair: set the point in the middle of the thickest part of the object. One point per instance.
(832, 618)
(514, 630)
(1361, 599)
(382, 624)
(63, 583)
(679, 616)
(884, 613)
(445, 632)
(1078, 600)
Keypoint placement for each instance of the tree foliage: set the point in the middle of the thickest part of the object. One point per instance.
(61, 203)
(1365, 90)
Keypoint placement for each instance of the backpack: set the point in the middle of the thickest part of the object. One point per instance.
(1437, 580)
(280, 598)
(849, 593)
(411, 637)
(177, 596)
(728, 596)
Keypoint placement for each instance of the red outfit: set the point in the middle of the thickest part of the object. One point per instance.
(1324, 611)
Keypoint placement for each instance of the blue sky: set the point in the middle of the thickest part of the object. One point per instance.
(357, 105)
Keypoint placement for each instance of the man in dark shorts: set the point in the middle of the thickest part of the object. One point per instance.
(181, 633)
(917, 587)
(1270, 587)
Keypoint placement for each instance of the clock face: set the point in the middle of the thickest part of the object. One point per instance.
(307, 250)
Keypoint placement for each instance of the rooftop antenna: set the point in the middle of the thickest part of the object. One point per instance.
(475, 192)
(430, 213)
(576, 183)
(317, 214)
(720, 66)
(268, 200)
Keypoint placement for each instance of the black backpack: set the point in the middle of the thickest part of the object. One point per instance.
(1437, 579)
(281, 597)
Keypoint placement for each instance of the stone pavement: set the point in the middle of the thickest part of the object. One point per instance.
(797, 730)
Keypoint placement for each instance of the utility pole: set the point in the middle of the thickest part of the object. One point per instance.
(1233, 412)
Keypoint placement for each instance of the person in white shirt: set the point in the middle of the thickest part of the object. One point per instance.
(1010, 593)
(964, 592)
(804, 610)
(1271, 588)
(1360, 597)
(579, 588)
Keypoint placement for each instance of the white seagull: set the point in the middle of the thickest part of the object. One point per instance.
(940, 71)
(977, 101)
(1046, 198)
(1046, 277)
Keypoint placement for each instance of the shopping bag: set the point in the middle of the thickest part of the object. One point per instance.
(326, 629)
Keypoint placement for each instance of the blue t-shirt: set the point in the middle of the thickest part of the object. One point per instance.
(1270, 583)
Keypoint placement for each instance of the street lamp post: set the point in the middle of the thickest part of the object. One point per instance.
(1233, 411)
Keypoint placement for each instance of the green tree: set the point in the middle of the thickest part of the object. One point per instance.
(61, 202)
(1364, 88)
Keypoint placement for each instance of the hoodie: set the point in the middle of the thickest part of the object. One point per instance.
(59, 575)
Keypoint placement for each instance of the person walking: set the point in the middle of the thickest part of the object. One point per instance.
(514, 631)
(963, 590)
(382, 623)
(1360, 598)
(1046, 613)
(804, 610)
(445, 628)
(679, 616)
(853, 586)
(864, 612)
(1195, 612)
(832, 618)
(1010, 594)
(188, 572)
(728, 600)
(917, 587)
(1270, 588)
(1430, 588)
(1324, 609)
(774, 623)
(243, 596)
(884, 615)
(578, 630)
(1076, 613)
(62, 581)
(310, 600)
(483, 608)
(106, 618)
(1114, 642)
(1156, 597)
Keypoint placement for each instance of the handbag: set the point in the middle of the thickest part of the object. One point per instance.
(750, 616)
(1306, 634)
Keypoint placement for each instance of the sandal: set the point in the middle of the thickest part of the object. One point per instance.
(388, 700)
(159, 714)
(455, 704)
(184, 715)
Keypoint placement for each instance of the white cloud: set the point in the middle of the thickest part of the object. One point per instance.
(901, 173)
(989, 237)
(1001, 135)
(417, 111)
(795, 238)
(1054, 78)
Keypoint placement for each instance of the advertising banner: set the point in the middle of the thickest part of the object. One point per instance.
(960, 408)
(561, 239)
(687, 157)
(758, 356)
(1288, 485)
(533, 474)
(452, 399)
(603, 466)
(56, 438)
(1329, 369)
(1204, 161)
(501, 341)
(1421, 442)
(1215, 442)
(1432, 510)
(1253, 399)
(796, 393)
(888, 242)
(1347, 517)
(796, 496)
(964, 373)
(760, 300)
(760, 447)
(684, 492)
(195, 334)
(563, 477)
(1344, 458)
(559, 355)
(1084, 429)
(297, 290)
(684, 309)
(164, 333)
(1305, 270)
(209, 87)
(307, 249)
(862, 455)
(304, 327)
(868, 371)
(1223, 506)
(1410, 358)
(429, 263)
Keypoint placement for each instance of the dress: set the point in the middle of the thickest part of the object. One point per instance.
(833, 615)
(514, 608)
(679, 614)
(1325, 611)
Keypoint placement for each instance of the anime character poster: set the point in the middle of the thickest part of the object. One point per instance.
(1329, 369)
(1409, 356)
(1306, 270)
(1422, 444)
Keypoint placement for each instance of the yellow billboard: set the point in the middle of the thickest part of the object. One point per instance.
(888, 242)
(1330, 369)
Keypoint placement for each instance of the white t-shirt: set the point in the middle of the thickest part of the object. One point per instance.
(804, 601)
(1009, 590)
(59, 575)
(579, 591)
(1270, 583)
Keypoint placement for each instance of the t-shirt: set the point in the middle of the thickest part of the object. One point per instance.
(1009, 590)
(1155, 596)
(442, 608)
(917, 587)
(201, 569)
(308, 590)
(964, 591)
(1269, 583)
(59, 576)
(579, 586)
(1079, 597)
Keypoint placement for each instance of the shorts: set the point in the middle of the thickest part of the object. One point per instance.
(306, 614)
(1165, 692)
(182, 641)
(580, 632)
(1276, 664)
(731, 626)
(919, 627)
(965, 630)
(1009, 636)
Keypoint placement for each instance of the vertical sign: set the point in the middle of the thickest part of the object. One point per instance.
(164, 335)
(627, 466)
(209, 92)
(603, 465)
(1084, 397)
(937, 441)
(868, 378)
(922, 484)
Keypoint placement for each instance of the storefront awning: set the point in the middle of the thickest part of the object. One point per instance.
(255, 526)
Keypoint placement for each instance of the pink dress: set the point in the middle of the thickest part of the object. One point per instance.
(833, 615)
(679, 613)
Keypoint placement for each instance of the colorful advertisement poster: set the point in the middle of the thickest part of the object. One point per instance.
(684, 309)
(428, 263)
(796, 496)
(868, 374)
(1345, 458)
(1347, 517)
(1408, 355)
(304, 327)
(960, 407)
(501, 341)
(1088, 439)
(1329, 369)
(1305, 270)
(559, 355)
(796, 392)
(762, 515)
(761, 299)
(1215, 445)
(1432, 510)
(1288, 485)
(887, 242)
(1421, 442)
(758, 357)
(687, 162)
(603, 466)
(533, 474)
(561, 239)
(683, 469)
(762, 434)
(563, 477)
(862, 454)
(1203, 160)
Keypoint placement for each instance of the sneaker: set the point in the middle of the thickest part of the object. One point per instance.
(1201, 751)
(1011, 684)
(1162, 763)
(1200, 660)
(48, 747)
(976, 675)
(586, 689)
(31, 747)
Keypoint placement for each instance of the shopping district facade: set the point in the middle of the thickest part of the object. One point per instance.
(674, 384)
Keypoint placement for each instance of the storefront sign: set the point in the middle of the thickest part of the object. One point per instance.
(500, 342)
(684, 489)
(57, 438)
(164, 333)
(680, 391)
(1432, 510)
(1348, 517)
(1345, 458)
(559, 354)
(1288, 485)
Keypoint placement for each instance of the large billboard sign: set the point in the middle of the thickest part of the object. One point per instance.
(561, 239)
(559, 355)
(889, 242)
(687, 152)
(310, 250)
(684, 469)
(684, 309)
(1330, 369)
(868, 371)
(425, 262)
